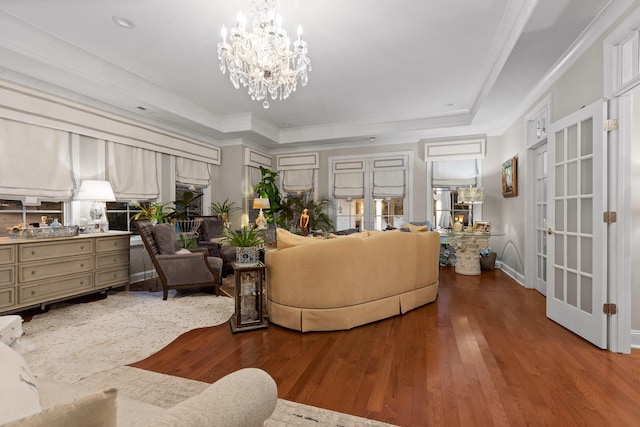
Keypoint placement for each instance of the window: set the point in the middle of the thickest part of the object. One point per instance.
(188, 201)
(446, 209)
(14, 212)
(120, 214)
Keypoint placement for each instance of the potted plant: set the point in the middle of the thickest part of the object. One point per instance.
(292, 207)
(155, 212)
(246, 242)
(224, 209)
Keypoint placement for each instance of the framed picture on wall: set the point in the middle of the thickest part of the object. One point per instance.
(510, 177)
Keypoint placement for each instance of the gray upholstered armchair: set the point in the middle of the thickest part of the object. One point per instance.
(177, 270)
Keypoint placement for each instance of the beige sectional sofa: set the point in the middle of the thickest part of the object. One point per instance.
(348, 281)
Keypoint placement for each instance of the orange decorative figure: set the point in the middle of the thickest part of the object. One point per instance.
(304, 222)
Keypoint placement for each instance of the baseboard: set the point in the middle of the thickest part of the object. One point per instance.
(635, 339)
(518, 277)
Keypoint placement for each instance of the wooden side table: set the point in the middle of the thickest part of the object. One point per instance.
(248, 295)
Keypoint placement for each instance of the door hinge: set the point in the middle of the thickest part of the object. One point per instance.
(609, 308)
(610, 217)
(610, 125)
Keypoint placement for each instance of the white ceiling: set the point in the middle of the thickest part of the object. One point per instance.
(399, 71)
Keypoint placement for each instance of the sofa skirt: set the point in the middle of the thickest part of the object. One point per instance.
(348, 317)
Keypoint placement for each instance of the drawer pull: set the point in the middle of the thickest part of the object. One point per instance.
(82, 264)
(33, 272)
(33, 252)
(115, 275)
(81, 282)
(33, 292)
(81, 247)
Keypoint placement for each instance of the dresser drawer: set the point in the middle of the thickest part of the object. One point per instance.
(42, 291)
(44, 270)
(7, 275)
(106, 244)
(7, 254)
(41, 251)
(112, 259)
(7, 297)
(112, 277)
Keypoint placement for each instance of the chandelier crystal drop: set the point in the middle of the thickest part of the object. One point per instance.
(264, 60)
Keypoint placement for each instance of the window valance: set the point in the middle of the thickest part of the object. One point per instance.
(297, 180)
(388, 184)
(349, 185)
(35, 164)
(192, 172)
(454, 173)
(132, 172)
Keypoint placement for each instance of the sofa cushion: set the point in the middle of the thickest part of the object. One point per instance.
(414, 228)
(18, 387)
(93, 410)
(166, 238)
(286, 239)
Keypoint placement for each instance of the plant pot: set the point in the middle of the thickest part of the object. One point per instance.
(247, 255)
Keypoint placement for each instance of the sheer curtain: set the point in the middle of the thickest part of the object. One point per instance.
(132, 172)
(35, 164)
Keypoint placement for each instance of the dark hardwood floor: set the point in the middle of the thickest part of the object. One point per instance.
(483, 354)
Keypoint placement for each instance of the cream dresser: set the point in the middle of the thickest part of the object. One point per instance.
(39, 271)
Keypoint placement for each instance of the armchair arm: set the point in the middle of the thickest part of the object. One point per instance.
(246, 397)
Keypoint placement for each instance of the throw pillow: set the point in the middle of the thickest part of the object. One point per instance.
(18, 389)
(212, 228)
(166, 238)
(413, 228)
(94, 410)
(183, 251)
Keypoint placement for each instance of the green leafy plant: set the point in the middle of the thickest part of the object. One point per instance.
(155, 212)
(187, 243)
(183, 203)
(244, 238)
(268, 188)
(223, 209)
(319, 219)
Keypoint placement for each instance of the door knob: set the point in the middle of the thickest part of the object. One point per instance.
(549, 230)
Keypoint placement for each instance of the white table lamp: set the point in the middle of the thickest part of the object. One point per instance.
(98, 192)
(261, 203)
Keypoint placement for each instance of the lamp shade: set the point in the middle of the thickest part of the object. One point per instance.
(261, 203)
(470, 195)
(96, 190)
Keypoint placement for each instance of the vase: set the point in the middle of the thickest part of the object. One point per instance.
(247, 255)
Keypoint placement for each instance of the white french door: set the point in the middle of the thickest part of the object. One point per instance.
(577, 276)
(541, 181)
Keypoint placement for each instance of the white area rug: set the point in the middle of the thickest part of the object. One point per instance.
(72, 342)
(90, 344)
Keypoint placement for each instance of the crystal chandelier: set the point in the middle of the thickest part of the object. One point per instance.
(263, 60)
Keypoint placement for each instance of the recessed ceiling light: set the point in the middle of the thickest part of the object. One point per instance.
(372, 138)
(123, 22)
(286, 125)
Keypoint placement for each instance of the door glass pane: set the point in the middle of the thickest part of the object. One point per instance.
(349, 213)
(559, 247)
(572, 215)
(560, 181)
(389, 213)
(572, 289)
(586, 216)
(586, 174)
(559, 215)
(572, 252)
(572, 178)
(586, 138)
(572, 142)
(558, 289)
(586, 294)
(586, 251)
(560, 146)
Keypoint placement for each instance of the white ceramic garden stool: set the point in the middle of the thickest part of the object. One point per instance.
(10, 329)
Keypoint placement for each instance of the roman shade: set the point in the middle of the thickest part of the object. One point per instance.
(297, 180)
(132, 172)
(349, 185)
(192, 172)
(388, 184)
(35, 164)
(454, 173)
